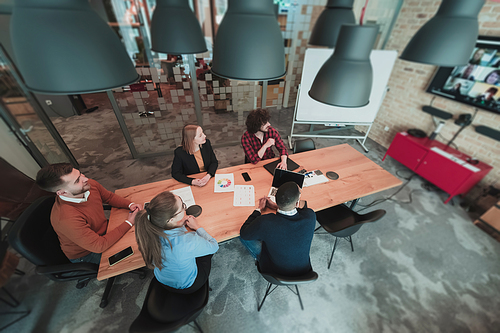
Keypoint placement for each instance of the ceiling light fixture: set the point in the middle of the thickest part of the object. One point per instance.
(447, 39)
(175, 29)
(249, 45)
(327, 27)
(346, 78)
(64, 47)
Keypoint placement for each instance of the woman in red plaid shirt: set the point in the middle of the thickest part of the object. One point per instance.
(260, 137)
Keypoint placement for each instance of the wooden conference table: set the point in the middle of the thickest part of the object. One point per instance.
(358, 177)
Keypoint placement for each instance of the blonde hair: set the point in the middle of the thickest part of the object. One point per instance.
(150, 226)
(188, 135)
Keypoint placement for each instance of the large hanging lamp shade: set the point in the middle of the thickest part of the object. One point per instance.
(249, 45)
(345, 79)
(447, 39)
(64, 47)
(175, 29)
(327, 27)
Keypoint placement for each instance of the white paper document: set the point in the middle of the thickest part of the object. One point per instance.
(313, 179)
(244, 195)
(186, 195)
(224, 182)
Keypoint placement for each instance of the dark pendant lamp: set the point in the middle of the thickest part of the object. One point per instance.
(448, 39)
(249, 45)
(327, 27)
(64, 47)
(345, 79)
(175, 29)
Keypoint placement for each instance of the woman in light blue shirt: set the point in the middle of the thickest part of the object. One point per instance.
(181, 258)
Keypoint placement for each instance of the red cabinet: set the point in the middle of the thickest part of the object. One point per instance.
(445, 167)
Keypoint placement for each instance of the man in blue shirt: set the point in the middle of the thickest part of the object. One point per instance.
(285, 236)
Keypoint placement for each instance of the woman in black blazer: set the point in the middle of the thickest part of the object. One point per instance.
(194, 156)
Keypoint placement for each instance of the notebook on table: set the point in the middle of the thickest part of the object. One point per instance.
(283, 176)
(290, 165)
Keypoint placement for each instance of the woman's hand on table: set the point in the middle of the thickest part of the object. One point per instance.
(201, 181)
(205, 179)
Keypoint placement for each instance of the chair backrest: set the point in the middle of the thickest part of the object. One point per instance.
(370, 216)
(341, 221)
(17, 192)
(166, 311)
(303, 145)
(34, 238)
(360, 219)
(348, 231)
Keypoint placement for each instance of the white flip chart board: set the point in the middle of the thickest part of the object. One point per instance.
(309, 109)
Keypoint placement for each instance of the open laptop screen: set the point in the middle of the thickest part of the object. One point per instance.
(283, 176)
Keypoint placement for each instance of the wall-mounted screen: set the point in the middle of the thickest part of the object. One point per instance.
(478, 82)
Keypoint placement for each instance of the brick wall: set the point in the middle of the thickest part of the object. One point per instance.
(402, 106)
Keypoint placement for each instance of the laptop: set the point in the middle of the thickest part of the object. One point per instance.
(290, 165)
(281, 177)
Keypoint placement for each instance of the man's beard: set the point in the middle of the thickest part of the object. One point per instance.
(84, 189)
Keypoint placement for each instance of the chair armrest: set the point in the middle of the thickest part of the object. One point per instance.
(106, 207)
(68, 268)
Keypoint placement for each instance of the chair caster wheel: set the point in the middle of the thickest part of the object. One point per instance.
(103, 304)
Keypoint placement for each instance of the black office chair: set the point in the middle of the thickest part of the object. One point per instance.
(342, 222)
(303, 145)
(280, 280)
(33, 237)
(8, 266)
(166, 311)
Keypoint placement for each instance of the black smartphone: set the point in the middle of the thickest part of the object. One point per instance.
(246, 177)
(116, 258)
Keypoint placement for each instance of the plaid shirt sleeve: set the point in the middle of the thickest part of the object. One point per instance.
(250, 148)
(278, 143)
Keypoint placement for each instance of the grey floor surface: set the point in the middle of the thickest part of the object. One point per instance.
(423, 268)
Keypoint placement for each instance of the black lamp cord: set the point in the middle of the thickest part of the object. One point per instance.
(379, 201)
(462, 128)
(434, 121)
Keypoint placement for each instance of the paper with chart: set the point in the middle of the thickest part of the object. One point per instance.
(244, 195)
(224, 182)
(186, 195)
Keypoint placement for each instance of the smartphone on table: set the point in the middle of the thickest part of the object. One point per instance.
(246, 176)
(123, 254)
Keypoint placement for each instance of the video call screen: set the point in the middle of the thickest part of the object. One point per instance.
(478, 82)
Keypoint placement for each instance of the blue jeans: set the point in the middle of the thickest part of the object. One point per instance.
(253, 246)
(94, 258)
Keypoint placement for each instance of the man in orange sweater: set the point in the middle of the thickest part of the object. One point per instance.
(77, 215)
